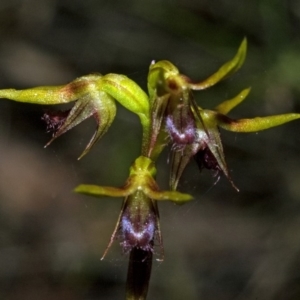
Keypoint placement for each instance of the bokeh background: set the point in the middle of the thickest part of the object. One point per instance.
(223, 245)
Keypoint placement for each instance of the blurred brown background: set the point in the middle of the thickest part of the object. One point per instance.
(224, 245)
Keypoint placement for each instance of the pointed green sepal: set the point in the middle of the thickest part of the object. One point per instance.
(97, 191)
(255, 124)
(50, 95)
(226, 70)
(226, 106)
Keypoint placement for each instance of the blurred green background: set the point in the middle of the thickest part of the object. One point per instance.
(224, 244)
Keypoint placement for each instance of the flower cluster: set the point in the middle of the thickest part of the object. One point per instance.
(169, 115)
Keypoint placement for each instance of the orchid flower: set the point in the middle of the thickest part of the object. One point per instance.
(94, 95)
(192, 131)
(138, 223)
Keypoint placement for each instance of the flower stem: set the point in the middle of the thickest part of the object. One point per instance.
(138, 275)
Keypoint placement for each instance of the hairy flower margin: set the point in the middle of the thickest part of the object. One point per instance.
(169, 116)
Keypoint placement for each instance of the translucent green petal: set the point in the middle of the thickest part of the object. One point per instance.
(179, 161)
(226, 106)
(214, 142)
(98, 104)
(216, 148)
(104, 111)
(159, 106)
(226, 70)
(255, 124)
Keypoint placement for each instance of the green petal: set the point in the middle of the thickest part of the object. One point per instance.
(226, 106)
(40, 95)
(170, 195)
(104, 112)
(226, 70)
(159, 72)
(133, 98)
(97, 191)
(255, 124)
(179, 161)
(128, 94)
(216, 148)
(49, 95)
(158, 110)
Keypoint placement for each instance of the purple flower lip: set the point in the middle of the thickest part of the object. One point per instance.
(136, 232)
(183, 135)
(54, 120)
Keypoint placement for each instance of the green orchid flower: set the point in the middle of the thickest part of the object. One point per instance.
(95, 96)
(191, 130)
(173, 107)
(138, 223)
(207, 148)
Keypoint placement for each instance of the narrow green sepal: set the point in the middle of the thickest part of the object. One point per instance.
(98, 191)
(226, 106)
(226, 70)
(50, 95)
(255, 124)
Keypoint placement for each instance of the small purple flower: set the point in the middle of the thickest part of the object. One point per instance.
(138, 224)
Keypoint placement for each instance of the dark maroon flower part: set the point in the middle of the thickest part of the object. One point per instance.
(205, 159)
(137, 230)
(54, 120)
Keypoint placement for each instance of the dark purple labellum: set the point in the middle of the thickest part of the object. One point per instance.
(55, 120)
(183, 135)
(138, 225)
(137, 231)
(205, 159)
